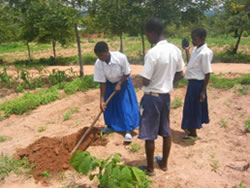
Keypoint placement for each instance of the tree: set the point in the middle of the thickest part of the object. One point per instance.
(111, 16)
(7, 31)
(55, 24)
(235, 16)
(79, 8)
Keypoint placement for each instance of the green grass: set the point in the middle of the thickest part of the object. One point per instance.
(223, 123)
(2, 139)
(247, 124)
(45, 174)
(132, 48)
(41, 129)
(9, 164)
(176, 103)
(69, 113)
(30, 101)
(21, 47)
(134, 147)
(228, 57)
(241, 185)
(226, 83)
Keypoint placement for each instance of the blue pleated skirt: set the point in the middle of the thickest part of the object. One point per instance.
(195, 113)
(122, 112)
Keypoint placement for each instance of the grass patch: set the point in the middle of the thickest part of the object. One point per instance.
(41, 129)
(2, 139)
(134, 147)
(69, 113)
(226, 83)
(28, 102)
(80, 84)
(228, 57)
(9, 164)
(45, 174)
(247, 124)
(176, 103)
(223, 123)
(241, 185)
(181, 83)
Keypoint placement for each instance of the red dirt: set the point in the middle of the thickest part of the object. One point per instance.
(53, 154)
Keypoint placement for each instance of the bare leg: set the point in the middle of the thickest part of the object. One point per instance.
(165, 153)
(150, 148)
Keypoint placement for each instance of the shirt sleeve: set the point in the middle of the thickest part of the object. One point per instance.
(180, 63)
(99, 72)
(206, 62)
(148, 68)
(125, 65)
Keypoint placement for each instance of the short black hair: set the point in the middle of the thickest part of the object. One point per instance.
(154, 25)
(101, 47)
(200, 32)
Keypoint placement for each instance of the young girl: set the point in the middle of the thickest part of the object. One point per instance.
(112, 71)
(195, 111)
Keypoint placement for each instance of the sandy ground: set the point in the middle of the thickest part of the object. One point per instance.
(214, 161)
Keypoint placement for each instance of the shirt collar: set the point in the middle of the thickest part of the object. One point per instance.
(161, 42)
(200, 48)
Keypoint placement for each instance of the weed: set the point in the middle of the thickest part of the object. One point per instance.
(189, 155)
(134, 147)
(69, 113)
(19, 88)
(8, 164)
(223, 123)
(176, 103)
(57, 77)
(215, 165)
(241, 185)
(41, 129)
(101, 136)
(247, 124)
(2, 139)
(45, 174)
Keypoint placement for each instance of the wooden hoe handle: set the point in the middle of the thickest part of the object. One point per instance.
(92, 125)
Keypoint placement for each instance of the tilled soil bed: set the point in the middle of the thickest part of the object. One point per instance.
(53, 154)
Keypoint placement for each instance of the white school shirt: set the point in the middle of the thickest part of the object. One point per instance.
(161, 63)
(112, 71)
(199, 63)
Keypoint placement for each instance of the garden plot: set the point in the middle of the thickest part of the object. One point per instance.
(219, 158)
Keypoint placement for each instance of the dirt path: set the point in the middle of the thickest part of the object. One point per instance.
(206, 163)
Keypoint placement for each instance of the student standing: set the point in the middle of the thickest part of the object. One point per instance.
(195, 111)
(163, 66)
(112, 71)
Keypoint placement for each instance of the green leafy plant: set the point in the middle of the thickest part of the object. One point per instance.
(57, 76)
(45, 173)
(247, 124)
(41, 129)
(134, 147)
(223, 123)
(19, 88)
(110, 174)
(176, 103)
(5, 79)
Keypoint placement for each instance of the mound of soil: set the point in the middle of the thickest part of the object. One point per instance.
(53, 154)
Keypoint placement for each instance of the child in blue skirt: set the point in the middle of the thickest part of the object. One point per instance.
(112, 71)
(195, 111)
